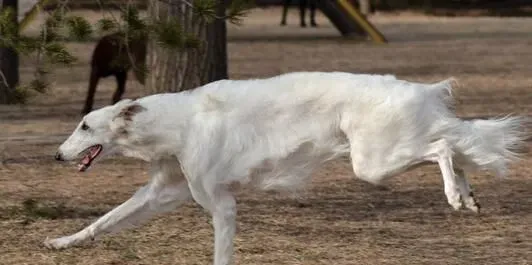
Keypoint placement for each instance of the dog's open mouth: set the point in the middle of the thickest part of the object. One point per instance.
(90, 154)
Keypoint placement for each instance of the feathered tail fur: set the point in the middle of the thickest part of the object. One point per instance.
(490, 144)
(485, 144)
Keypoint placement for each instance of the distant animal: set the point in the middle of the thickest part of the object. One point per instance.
(112, 57)
(273, 133)
(303, 4)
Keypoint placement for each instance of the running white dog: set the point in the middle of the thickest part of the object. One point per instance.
(271, 133)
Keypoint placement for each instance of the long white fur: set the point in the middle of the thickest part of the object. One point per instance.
(272, 133)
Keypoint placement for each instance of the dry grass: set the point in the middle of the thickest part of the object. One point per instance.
(340, 220)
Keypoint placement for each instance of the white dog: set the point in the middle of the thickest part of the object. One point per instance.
(271, 133)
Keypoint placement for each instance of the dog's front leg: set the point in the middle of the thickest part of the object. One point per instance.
(151, 199)
(224, 222)
(222, 206)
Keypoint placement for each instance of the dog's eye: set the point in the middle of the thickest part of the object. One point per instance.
(84, 126)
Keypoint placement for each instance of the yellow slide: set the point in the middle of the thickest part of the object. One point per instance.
(348, 20)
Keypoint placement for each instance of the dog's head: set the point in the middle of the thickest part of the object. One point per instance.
(99, 133)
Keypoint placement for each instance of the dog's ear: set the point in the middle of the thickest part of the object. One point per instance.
(126, 109)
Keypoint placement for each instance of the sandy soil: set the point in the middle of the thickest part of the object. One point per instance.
(339, 220)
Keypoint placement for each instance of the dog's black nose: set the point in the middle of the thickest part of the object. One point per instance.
(58, 156)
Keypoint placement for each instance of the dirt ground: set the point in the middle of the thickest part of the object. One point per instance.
(339, 220)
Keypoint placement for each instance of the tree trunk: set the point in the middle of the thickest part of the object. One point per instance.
(173, 70)
(9, 75)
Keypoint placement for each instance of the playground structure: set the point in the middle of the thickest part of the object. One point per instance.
(349, 20)
(342, 13)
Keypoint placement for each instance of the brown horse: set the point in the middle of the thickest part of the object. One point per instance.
(112, 56)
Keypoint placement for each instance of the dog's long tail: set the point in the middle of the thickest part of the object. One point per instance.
(490, 144)
(481, 144)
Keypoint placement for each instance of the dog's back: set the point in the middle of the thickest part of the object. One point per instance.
(386, 125)
(286, 125)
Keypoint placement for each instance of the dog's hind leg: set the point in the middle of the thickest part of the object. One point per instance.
(468, 198)
(440, 152)
(286, 5)
(166, 190)
(93, 83)
(121, 78)
(302, 11)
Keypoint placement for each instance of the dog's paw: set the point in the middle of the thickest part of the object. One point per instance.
(471, 203)
(455, 201)
(58, 243)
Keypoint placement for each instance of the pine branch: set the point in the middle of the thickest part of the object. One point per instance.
(106, 25)
(79, 28)
(238, 10)
(8, 30)
(49, 48)
(206, 9)
(56, 53)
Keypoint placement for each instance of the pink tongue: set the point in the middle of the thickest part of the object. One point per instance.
(82, 167)
(86, 160)
(95, 151)
(84, 163)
